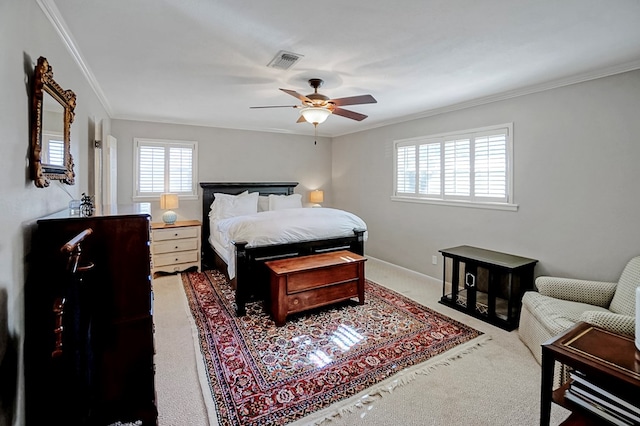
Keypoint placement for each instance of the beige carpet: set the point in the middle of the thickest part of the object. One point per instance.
(495, 384)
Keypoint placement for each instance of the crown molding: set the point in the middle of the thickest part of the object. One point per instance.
(537, 88)
(53, 14)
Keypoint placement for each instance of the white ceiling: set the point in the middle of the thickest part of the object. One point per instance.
(204, 62)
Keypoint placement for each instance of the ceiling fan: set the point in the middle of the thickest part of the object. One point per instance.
(316, 107)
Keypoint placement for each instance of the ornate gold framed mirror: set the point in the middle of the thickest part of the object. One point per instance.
(52, 115)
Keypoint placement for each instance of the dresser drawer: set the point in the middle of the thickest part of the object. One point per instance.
(171, 246)
(175, 233)
(178, 257)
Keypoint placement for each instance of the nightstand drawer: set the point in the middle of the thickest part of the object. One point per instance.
(175, 246)
(175, 233)
(178, 257)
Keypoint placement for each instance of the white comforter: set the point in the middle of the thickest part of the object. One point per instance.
(279, 227)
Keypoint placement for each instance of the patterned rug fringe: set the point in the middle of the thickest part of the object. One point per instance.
(209, 403)
(402, 378)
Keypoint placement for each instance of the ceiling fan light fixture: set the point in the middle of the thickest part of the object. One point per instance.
(315, 115)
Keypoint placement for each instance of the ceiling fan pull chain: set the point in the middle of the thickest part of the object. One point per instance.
(315, 133)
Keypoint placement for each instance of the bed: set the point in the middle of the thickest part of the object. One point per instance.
(250, 277)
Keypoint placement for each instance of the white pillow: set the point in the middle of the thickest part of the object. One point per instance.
(263, 203)
(225, 206)
(281, 202)
(219, 199)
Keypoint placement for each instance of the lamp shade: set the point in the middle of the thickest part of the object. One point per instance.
(315, 115)
(169, 201)
(316, 196)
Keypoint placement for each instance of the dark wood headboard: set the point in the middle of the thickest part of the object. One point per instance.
(234, 188)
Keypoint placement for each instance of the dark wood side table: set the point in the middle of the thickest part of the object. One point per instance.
(609, 361)
(486, 284)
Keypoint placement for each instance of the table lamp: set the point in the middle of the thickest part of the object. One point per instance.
(169, 202)
(316, 197)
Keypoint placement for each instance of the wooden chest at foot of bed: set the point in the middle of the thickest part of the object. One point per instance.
(302, 283)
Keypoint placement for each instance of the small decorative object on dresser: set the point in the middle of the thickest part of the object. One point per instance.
(86, 205)
(176, 247)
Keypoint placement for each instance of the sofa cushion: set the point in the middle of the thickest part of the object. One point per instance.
(556, 315)
(624, 301)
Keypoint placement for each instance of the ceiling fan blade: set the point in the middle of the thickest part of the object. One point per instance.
(349, 114)
(295, 94)
(301, 120)
(354, 100)
(275, 106)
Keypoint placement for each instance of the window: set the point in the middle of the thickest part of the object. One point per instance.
(471, 167)
(56, 150)
(165, 166)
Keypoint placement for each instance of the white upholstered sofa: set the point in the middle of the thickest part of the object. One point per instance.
(560, 303)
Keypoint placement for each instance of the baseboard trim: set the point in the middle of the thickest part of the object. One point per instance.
(405, 270)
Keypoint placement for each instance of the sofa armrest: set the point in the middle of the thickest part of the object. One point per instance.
(598, 293)
(617, 323)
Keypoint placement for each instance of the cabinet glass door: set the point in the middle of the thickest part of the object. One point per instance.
(454, 289)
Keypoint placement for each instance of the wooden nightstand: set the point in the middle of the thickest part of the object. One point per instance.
(175, 248)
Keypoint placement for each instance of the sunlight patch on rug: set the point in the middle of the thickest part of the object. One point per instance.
(260, 374)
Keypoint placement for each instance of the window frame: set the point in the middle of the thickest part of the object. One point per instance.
(458, 200)
(166, 144)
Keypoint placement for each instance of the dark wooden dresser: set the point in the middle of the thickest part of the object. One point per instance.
(98, 368)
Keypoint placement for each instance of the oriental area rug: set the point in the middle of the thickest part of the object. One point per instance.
(261, 374)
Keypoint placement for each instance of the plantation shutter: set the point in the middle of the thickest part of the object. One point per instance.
(165, 166)
(56, 152)
(471, 166)
(491, 166)
(151, 169)
(406, 170)
(430, 170)
(180, 169)
(457, 168)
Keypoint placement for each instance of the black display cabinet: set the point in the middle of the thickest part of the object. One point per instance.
(486, 284)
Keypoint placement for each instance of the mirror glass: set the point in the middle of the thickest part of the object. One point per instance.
(52, 151)
(52, 115)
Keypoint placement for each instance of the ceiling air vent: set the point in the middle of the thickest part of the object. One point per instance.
(284, 60)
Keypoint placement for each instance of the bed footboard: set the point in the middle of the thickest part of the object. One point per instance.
(252, 278)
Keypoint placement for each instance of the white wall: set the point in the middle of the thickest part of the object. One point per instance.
(26, 34)
(576, 172)
(231, 155)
